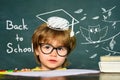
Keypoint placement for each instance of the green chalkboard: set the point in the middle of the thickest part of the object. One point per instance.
(97, 30)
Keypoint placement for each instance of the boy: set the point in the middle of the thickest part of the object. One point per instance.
(52, 44)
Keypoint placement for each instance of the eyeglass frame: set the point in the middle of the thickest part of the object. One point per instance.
(56, 48)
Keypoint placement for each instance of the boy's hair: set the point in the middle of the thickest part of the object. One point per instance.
(45, 34)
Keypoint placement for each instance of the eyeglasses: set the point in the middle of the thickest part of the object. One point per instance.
(48, 48)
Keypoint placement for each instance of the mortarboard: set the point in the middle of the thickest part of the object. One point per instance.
(58, 20)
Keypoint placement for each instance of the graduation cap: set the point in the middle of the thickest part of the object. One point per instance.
(58, 20)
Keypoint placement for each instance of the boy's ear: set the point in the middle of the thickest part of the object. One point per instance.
(37, 51)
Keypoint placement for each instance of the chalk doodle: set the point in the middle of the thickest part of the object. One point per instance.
(109, 13)
(58, 11)
(71, 22)
(94, 34)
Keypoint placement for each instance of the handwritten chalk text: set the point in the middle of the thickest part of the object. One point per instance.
(18, 49)
(19, 38)
(11, 26)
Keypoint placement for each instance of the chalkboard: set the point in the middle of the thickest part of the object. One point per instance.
(97, 30)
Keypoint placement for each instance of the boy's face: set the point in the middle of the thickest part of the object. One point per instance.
(52, 60)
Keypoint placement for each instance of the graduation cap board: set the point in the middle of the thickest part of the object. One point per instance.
(58, 20)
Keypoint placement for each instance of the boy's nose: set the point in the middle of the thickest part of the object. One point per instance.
(54, 53)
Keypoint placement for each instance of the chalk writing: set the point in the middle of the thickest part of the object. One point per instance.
(11, 26)
(12, 49)
(19, 38)
(18, 47)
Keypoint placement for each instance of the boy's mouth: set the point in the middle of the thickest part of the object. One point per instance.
(52, 61)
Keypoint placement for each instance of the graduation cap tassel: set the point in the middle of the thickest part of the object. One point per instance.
(72, 32)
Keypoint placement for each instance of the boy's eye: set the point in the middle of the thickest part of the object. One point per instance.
(61, 48)
(47, 46)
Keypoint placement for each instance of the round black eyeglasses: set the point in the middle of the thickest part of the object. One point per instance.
(48, 48)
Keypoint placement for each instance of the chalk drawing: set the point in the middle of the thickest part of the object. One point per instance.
(95, 34)
(109, 14)
(39, 16)
(72, 22)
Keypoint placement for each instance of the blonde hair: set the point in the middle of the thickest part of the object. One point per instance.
(45, 34)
